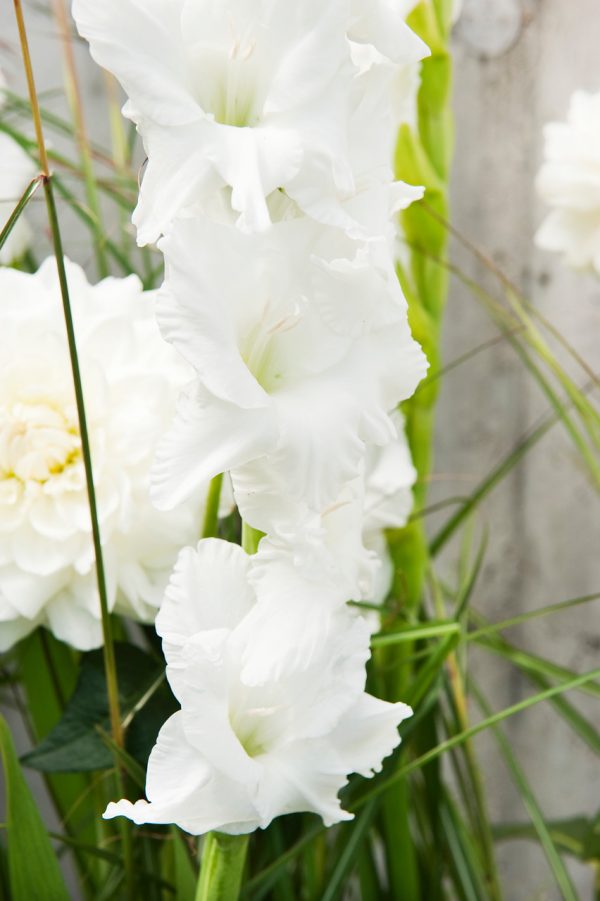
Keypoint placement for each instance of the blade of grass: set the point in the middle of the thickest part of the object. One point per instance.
(347, 859)
(413, 633)
(465, 866)
(493, 628)
(461, 737)
(490, 482)
(27, 195)
(533, 663)
(559, 870)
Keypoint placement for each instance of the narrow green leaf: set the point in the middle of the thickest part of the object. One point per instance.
(492, 628)
(32, 865)
(186, 876)
(19, 209)
(533, 663)
(461, 737)
(559, 870)
(431, 670)
(347, 859)
(577, 836)
(414, 633)
(490, 482)
(465, 865)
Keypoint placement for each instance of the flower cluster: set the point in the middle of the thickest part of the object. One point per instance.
(569, 182)
(269, 130)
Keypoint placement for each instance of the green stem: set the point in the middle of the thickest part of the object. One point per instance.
(109, 654)
(211, 513)
(223, 859)
(250, 538)
(109, 651)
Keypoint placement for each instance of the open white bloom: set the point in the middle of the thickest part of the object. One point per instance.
(569, 182)
(252, 94)
(16, 171)
(237, 754)
(130, 378)
(299, 357)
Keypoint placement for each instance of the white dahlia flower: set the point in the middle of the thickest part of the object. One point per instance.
(251, 94)
(238, 755)
(16, 171)
(293, 363)
(569, 182)
(130, 378)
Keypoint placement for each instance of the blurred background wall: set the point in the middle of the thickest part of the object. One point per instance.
(517, 63)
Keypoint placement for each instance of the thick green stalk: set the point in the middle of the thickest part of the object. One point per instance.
(211, 512)
(223, 859)
(422, 158)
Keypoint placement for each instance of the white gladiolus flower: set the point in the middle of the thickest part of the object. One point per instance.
(131, 378)
(16, 171)
(345, 542)
(299, 358)
(251, 94)
(569, 182)
(238, 755)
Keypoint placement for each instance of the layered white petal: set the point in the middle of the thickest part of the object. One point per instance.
(247, 95)
(242, 752)
(285, 372)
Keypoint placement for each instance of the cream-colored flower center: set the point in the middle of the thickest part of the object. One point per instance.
(253, 727)
(259, 345)
(37, 441)
(230, 79)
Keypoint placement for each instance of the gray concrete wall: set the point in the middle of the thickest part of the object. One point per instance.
(517, 62)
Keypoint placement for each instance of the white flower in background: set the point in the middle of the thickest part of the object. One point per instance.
(569, 182)
(16, 171)
(299, 358)
(237, 754)
(252, 94)
(131, 378)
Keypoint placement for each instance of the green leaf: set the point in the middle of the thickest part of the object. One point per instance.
(347, 859)
(559, 870)
(76, 744)
(185, 874)
(18, 210)
(32, 865)
(578, 836)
